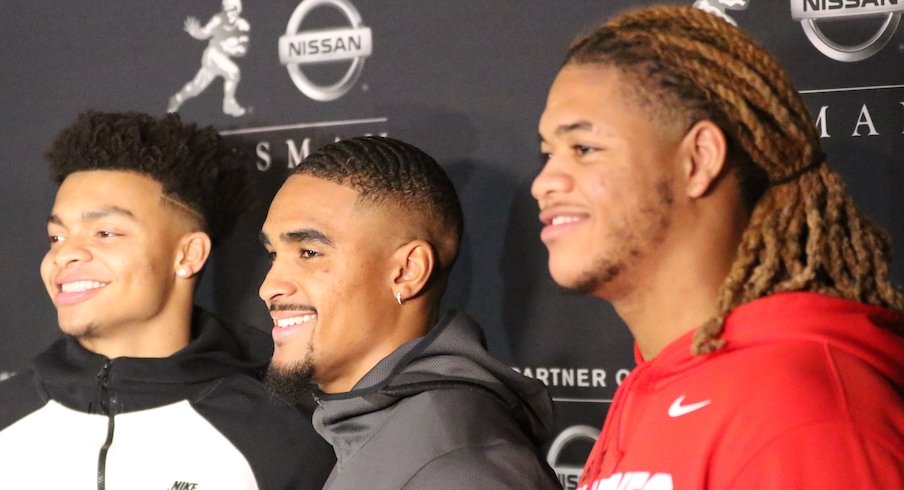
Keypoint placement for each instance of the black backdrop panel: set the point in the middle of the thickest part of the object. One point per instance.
(466, 81)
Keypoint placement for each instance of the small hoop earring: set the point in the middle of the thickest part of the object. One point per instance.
(398, 297)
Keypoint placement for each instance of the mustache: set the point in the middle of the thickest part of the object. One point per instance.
(292, 307)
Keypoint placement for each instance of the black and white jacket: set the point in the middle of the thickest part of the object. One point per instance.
(196, 420)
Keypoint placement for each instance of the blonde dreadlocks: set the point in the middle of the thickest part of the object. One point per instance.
(805, 233)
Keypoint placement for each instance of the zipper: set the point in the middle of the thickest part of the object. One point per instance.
(317, 399)
(107, 400)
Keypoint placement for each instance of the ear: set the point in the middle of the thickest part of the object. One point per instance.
(194, 249)
(413, 267)
(705, 150)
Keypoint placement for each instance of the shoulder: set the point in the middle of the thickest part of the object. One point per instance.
(450, 438)
(501, 465)
(240, 404)
(823, 455)
(791, 406)
(278, 441)
(793, 400)
(465, 438)
(19, 396)
(812, 380)
(475, 414)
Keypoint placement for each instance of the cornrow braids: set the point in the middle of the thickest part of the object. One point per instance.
(194, 167)
(388, 171)
(804, 234)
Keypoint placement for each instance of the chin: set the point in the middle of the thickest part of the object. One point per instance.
(289, 382)
(563, 281)
(578, 287)
(565, 275)
(284, 359)
(75, 328)
(598, 279)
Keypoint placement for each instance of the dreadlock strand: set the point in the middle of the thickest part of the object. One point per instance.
(800, 271)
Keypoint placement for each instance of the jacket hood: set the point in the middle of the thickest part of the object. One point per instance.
(452, 355)
(72, 374)
(864, 331)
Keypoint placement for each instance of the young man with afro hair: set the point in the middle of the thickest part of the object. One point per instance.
(145, 390)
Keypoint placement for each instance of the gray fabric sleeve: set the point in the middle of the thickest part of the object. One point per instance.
(497, 466)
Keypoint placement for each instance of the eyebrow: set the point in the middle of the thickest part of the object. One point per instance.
(96, 214)
(568, 128)
(300, 236)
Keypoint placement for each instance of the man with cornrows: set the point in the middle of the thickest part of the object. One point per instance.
(362, 238)
(684, 183)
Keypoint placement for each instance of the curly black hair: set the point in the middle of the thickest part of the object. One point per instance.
(193, 164)
(388, 171)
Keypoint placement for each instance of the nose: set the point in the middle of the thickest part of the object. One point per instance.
(553, 178)
(69, 251)
(277, 284)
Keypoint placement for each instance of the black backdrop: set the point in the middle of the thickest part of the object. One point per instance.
(466, 81)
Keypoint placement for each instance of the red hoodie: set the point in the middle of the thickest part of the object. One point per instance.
(808, 392)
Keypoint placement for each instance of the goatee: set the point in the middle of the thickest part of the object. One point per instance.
(292, 384)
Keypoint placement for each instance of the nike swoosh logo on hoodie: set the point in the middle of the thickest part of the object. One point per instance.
(676, 409)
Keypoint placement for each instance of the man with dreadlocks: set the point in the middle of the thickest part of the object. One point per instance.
(684, 183)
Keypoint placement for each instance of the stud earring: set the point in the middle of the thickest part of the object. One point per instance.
(398, 297)
(182, 273)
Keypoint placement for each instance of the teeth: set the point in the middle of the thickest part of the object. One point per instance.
(80, 286)
(561, 220)
(295, 320)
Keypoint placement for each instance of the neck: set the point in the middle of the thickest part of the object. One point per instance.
(409, 321)
(670, 305)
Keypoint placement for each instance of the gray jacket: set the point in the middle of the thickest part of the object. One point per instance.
(437, 413)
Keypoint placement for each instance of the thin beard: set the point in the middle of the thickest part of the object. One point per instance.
(593, 279)
(292, 384)
(87, 333)
(605, 270)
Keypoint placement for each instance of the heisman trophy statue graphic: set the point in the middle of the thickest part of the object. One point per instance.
(718, 7)
(228, 35)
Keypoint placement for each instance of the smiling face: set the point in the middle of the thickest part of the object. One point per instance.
(605, 191)
(329, 284)
(110, 269)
